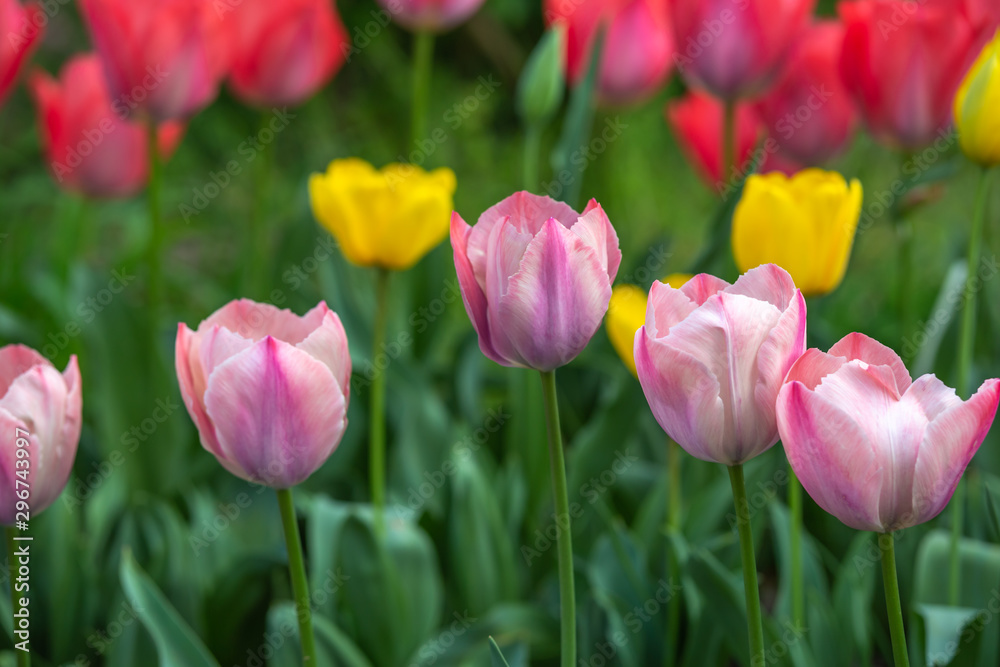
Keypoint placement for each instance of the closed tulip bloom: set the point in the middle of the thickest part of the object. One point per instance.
(873, 448)
(285, 51)
(389, 218)
(91, 149)
(19, 25)
(984, 17)
(536, 278)
(637, 54)
(627, 312)
(804, 224)
(696, 120)
(267, 389)
(711, 358)
(809, 111)
(977, 107)
(430, 15)
(162, 57)
(42, 406)
(735, 49)
(902, 62)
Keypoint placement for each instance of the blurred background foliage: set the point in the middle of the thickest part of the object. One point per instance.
(468, 551)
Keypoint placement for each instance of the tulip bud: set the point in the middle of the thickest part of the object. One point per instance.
(40, 414)
(390, 217)
(267, 390)
(872, 447)
(977, 107)
(536, 278)
(805, 224)
(711, 358)
(541, 86)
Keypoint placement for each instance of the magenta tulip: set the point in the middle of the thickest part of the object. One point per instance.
(536, 278)
(40, 411)
(285, 51)
(711, 358)
(91, 149)
(735, 48)
(430, 15)
(873, 448)
(21, 31)
(163, 57)
(267, 390)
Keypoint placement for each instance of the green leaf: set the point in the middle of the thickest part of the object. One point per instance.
(176, 644)
(496, 657)
(948, 635)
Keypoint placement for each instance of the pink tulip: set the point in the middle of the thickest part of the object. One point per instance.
(162, 57)
(873, 448)
(20, 31)
(90, 148)
(42, 406)
(430, 15)
(734, 48)
(902, 62)
(285, 51)
(638, 45)
(267, 389)
(696, 120)
(808, 111)
(711, 358)
(536, 278)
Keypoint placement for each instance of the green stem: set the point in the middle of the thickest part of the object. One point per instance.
(967, 336)
(904, 233)
(157, 232)
(674, 570)
(728, 139)
(377, 424)
(532, 148)
(567, 596)
(798, 585)
(892, 604)
(297, 570)
(755, 626)
(966, 344)
(423, 61)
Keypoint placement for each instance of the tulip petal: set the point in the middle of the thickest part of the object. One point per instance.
(254, 321)
(783, 346)
(812, 367)
(8, 465)
(14, 361)
(278, 412)
(831, 456)
(683, 394)
(192, 381)
(596, 230)
(556, 300)
(328, 343)
(666, 307)
(950, 442)
(700, 287)
(769, 283)
(473, 295)
(861, 347)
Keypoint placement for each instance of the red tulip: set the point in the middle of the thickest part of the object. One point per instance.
(285, 51)
(697, 123)
(809, 111)
(902, 62)
(733, 48)
(162, 57)
(20, 31)
(984, 17)
(638, 44)
(91, 148)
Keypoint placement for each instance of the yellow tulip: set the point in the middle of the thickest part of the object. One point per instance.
(804, 224)
(977, 107)
(627, 312)
(388, 218)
